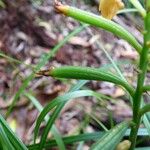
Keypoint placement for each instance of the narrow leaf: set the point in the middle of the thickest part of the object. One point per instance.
(145, 118)
(112, 138)
(139, 7)
(70, 140)
(146, 88)
(143, 148)
(66, 97)
(87, 73)
(4, 141)
(82, 137)
(100, 22)
(17, 143)
(144, 109)
(54, 130)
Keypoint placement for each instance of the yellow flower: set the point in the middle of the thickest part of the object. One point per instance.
(124, 145)
(109, 8)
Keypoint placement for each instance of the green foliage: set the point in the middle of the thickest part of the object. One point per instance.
(121, 32)
(54, 130)
(4, 141)
(59, 102)
(103, 23)
(7, 135)
(88, 73)
(112, 138)
(70, 140)
(43, 61)
(2, 4)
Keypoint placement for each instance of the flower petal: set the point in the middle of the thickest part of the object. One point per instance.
(109, 8)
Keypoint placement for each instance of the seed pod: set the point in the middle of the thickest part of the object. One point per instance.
(109, 8)
(124, 145)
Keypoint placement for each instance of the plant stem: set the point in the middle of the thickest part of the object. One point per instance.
(146, 88)
(139, 7)
(141, 77)
(144, 110)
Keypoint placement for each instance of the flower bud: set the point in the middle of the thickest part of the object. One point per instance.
(109, 8)
(124, 145)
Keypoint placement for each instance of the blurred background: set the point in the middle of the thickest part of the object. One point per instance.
(30, 28)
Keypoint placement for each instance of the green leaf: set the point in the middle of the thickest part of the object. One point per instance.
(70, 140)
(127, 10)
(144, 110)
(61, 100)
(44, 59)
(112, 138)
(54, 130)
(143, 148)
(142, 132)
(2, 4)
(87, 73)
(80, 84)
(146, 123)
(50, 124)
(146, 88)
(139, 7)
(75, 87)
(145, 118)
(4, 141)
(81, 137)
(100, 22)
(17, 143)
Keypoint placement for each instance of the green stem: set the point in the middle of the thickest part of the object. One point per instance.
(146, 88)
(144, 110)
(139, 7)
(148, 5)
(141, 77)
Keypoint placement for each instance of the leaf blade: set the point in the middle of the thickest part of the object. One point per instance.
(4, 141)
(111, 138)
(87, 73)
(17, 143)
(100, 22)
(61, 100)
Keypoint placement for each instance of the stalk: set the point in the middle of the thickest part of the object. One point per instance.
(139, 7)
(141, 77)
(146, 88)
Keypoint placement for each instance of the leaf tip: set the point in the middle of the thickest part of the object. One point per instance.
(47, 72)
(60, 8)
